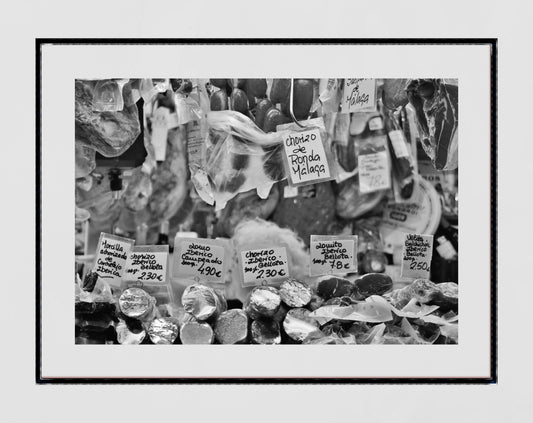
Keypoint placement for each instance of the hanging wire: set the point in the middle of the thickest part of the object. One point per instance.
(291, 100)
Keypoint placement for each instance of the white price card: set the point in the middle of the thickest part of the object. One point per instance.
(305, 157)
(200, 258)
(374, 172)
(263, 265)
(358, 94)
(111, 256)
(416, 256)
(332, 254)
(147, 263)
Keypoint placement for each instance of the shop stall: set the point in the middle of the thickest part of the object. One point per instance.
(266, 211)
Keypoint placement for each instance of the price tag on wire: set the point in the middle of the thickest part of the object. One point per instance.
(147, 264)
(332, 255)
(201, 259)
(263, 265)
(416, 256)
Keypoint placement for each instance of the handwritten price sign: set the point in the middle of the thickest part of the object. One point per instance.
(416, 258)
(111, 256)
(147, 264)
(374, 172)
(265, 264)
(200, 258)
(332, 255)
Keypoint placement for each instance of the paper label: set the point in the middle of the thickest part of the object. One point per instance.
(399, 143)
(374, 172)
(200, 258)
(290, 192)
(306, 157)
(160, 119)
(358, 94)
(332, 255)
(195, 141)
(416, 256)
(265, 264)
(111, 256)
(147, 266)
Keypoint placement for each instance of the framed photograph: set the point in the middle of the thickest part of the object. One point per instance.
(246, 145)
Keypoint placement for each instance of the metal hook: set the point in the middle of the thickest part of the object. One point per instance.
(291, 99)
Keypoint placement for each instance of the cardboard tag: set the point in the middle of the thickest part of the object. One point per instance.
(160, 121)
(332, 255)
(111, 256)
(305, 157)
(374, 172)
(200, 259)
(147, 264)
(416, 257)
(358, 94)
(263, 265)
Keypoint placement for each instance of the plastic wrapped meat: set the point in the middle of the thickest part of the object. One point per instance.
(163, 330)
(169, 180)
(238, 157)
(295, 293)
(231, 327)
(298, 325)
(85, 160)
(128, 336)
(350, 203)
(263, 301)
(246, 205)
(420, 289)
(437, 116)
(138, 191)
(109, 133)
(265, 331)
(202, 302)
(372, 284)
(196, 333)
(99, 200)
(427, 292)
(332, 286)
(395, 93)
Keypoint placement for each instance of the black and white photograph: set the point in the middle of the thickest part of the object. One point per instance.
(263, 213)
(295, 211)
(267, 211)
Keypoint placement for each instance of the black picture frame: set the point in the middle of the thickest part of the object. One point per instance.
(492, 42)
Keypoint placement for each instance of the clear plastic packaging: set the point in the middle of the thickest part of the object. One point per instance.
(108, 95)
(109, 133)
(239, 157)
(437, 115)
(403, 158)
(85, 160)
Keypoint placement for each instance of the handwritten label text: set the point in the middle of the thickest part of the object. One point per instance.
(306, 156)
(416, 258)
(333, 255)
(264, 264)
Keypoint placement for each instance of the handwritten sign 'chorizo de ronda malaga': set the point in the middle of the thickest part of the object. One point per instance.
(306, 157)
